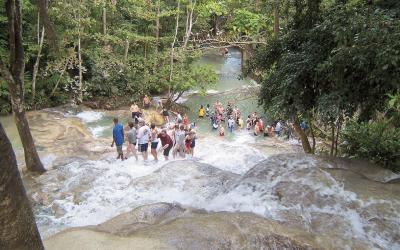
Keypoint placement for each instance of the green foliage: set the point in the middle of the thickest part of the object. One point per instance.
(332, 64)
(202, 77)
(5, 105)
(378, 141)
(108, 71)
(338, 60)
(209, 8)
(247, 22)
(393, 109)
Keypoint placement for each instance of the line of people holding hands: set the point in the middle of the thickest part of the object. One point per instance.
(179, 137)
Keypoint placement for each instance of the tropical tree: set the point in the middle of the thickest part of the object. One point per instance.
(18, 227)
(13, 73)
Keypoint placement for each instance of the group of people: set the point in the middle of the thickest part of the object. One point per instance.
(232, 117)
(179, 137)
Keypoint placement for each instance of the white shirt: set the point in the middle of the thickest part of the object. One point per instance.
(231, 123)
(144, 134)
(278, 126)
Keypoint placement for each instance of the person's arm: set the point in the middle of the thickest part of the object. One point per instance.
(112, 144)
(165, 146)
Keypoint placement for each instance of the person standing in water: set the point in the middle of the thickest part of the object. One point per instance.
(240, 122)
(186, 121)
(202, 112)
(188, 142)
(135, 113)
(154, 141)
(166, 143)
(193, 145)
(131, 134)
(165, 114)
(143, 136)
(118, 138)
(178, 118)
(231, 124)
(146, 102)
(278, 128)
(179, 141)
(248, 122)
(208, 110)
(221, 130)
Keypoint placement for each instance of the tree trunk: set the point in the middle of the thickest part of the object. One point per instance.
(104, 21)
(276, 18)
(172, 50)
(332, 139)
(15, 81)
(80, 87)
(36, 66)
(18, 228)
(189, 22)
(32, 159)
(339, 126)
(303, 137)
(38, 28)
(158, 26)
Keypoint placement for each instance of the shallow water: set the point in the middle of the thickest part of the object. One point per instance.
(85, 185)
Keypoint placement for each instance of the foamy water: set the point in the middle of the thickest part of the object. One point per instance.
(94, 191)
(91, 192)
(90, 116)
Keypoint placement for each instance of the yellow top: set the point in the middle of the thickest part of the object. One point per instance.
(202, 112)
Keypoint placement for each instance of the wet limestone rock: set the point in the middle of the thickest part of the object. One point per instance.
(170, 226)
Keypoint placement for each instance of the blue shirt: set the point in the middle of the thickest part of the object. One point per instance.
(118, 134)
